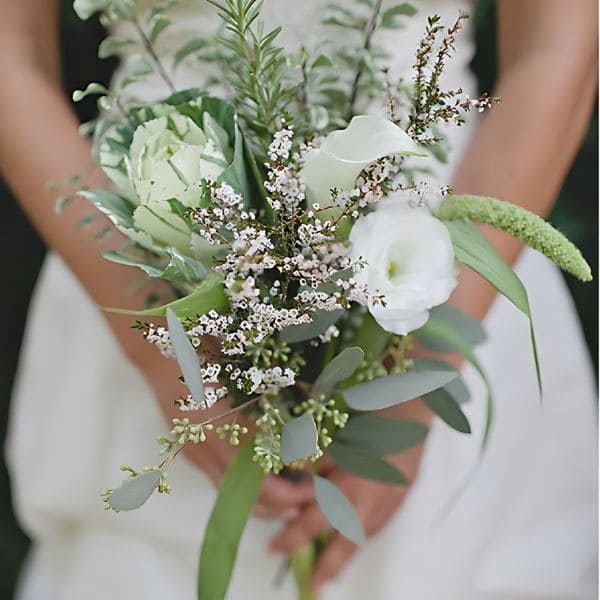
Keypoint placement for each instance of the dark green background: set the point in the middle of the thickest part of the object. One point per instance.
(576, 214)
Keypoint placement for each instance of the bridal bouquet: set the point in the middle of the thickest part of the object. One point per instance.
(306, 253)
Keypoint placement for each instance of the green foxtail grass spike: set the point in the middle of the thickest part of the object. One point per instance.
(521, 224)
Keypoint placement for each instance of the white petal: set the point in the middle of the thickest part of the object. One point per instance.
(157, 220)
(345, 153)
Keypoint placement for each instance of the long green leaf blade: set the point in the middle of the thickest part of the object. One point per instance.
(472, 249)
(209, 295)
(237, 494)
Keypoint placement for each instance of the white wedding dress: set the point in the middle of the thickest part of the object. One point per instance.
(522, 528)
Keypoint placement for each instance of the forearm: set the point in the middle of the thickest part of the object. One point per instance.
(524, 147)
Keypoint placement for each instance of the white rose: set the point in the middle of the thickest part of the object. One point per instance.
(343, 154)
(410, 261)
(168, 158)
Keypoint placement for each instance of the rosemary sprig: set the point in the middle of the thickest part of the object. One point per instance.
(257, 68)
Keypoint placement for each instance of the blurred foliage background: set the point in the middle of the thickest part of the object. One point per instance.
(576, 214)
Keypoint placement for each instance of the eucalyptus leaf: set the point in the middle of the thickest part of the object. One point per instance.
(447, 408)
(298, 439)
(458, 390)
(132, 493)
(381, 436)
(238, 492)
(441, 334)
(384, 392)
(340, 368)
(322, 321)
(338, 510)
(186, 357)
(363, 464)
(210, 295)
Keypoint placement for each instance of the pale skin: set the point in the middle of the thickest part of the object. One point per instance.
(520, 153)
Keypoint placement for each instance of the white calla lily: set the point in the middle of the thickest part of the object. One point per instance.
(346, 152)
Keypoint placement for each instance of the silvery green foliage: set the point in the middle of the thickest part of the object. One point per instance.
(298, 439)
(338, 510)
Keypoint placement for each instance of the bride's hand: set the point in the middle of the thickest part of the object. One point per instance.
(375, 504)
(279, 498)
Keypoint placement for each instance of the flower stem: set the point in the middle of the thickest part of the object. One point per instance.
(301, 563)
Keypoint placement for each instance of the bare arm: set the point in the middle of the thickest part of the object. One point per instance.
(525, 146)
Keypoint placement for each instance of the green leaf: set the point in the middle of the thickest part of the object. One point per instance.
(322, 321)
(210, 295)
(298, 439)
(447, 408)
(470, 329)
(112, 45)
(363, 464)
(388, 18)
(380, 436)
(371, 337)
(395, 389)
(238, 492)
(122, 259)
(472, 249)
(321, 61)
(115, 207)
(235, 174)
(86, 8)
(157, 25)
(187, 49)
(458, 390)
(338, 510)
(441, 334)
(186, 357)
(92, 88)
(132, 493)
(183, 268)
(340, 368)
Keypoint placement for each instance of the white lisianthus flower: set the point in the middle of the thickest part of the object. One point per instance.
(409, 260)
(168, 158)
(337, 163)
